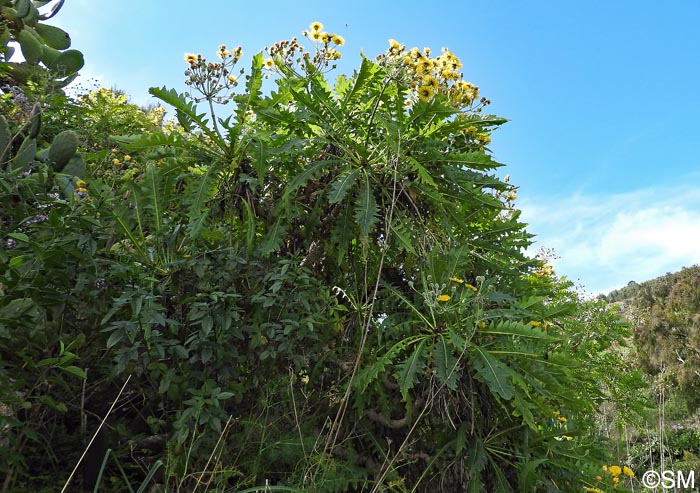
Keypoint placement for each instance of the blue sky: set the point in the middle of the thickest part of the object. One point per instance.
(602, 98)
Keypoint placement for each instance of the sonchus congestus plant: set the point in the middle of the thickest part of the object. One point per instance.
(389, 333)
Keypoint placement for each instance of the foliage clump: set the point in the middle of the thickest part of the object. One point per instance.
(326, 290)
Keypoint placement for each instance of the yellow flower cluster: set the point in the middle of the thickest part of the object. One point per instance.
(463, 283)
(430, 76)
(318, 35)
(444, 297)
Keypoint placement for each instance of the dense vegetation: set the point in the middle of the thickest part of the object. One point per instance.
(322, 287)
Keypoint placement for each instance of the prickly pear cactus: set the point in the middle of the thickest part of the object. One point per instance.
(40, 43)
(62, 150)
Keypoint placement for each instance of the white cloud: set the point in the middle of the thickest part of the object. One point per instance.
(606, 241)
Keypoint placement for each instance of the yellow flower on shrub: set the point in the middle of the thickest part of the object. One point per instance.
(593, 490)
(316, 26)
(615, 470)
(627, 472)
(338, 40)
(444, 297)
(425, 93)
(470, 287)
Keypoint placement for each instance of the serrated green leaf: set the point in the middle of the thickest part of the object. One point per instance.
(409, 370)
(492, 372)
(445, 363)
(370, 373)
(360, 80)
(273, 239)
(341, 186)
(366, 210)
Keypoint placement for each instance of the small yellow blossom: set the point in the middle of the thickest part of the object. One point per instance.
(481, 324)
(616, 480)
(457, 280)
(269, 63)
(316, 26)
(395, 45)
(593, 490)
(116, 162)
(469, 286)
(316, 35)
(444, 297)
(605, 468)
(338, 40)
(233, 80)
(305, 379)
(430, 82)
(598, 478)
(191, 58)
(556, 413)
(562, 419)
(535, 323)
(425, 93)
(615, 470)
(127, 158)
(627, 472)
(81, 183)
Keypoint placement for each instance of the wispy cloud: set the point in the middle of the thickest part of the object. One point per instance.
(606, 241)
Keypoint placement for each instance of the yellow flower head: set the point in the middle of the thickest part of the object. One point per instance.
(269, 63)
(430, 82)
(616, 480)
(338, 40)
(562, 419)
(425, 93)
(316, 35)
(605, 468)
(116, 162)
(627, 472)
(424, 67)
(394, 45)
(615, 470)
(191, 58)
(593, 490)
(233, 80)
(326, 37)
(316, 26)
(457, 280)
(81, 183)
(470, 287)
(567, 438)
(444, 297)
(127, 158)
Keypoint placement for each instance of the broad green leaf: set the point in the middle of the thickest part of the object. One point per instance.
(341, 186)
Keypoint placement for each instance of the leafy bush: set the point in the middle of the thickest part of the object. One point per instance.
(326, 290)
